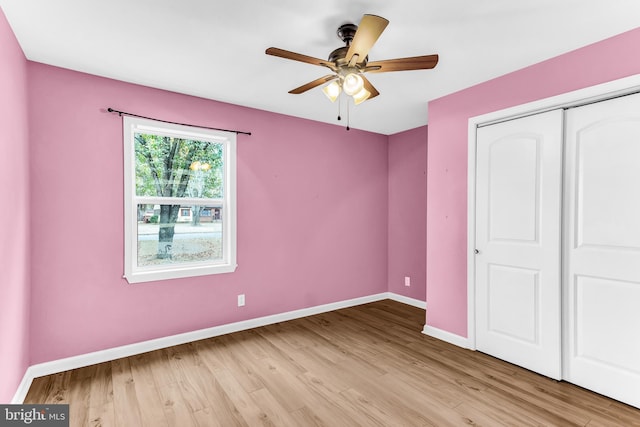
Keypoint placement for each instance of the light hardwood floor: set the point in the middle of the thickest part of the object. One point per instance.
(362, 366)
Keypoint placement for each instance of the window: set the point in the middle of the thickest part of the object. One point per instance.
(174, 174)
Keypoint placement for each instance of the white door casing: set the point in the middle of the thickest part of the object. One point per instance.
(602, 248)
(517, 224)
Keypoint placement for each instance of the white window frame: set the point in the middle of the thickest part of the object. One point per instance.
(135, 274)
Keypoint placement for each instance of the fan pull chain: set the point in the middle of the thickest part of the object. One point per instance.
(340, 107)
(348, 114)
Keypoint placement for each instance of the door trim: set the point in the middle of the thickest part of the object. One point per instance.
(601, 92)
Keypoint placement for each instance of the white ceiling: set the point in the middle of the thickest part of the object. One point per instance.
(215, 49)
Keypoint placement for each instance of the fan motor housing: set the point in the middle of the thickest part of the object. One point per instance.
(338, 57)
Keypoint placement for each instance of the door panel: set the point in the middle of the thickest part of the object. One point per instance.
(594, 340)
(602, 264)
(512, 302)
(518, 199)
(604, 168)
(513, 177)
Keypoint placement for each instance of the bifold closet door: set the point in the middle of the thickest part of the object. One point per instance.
(518, 236)
(603, 248)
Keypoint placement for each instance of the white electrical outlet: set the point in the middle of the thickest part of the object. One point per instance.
(241, 300)
(407, 281)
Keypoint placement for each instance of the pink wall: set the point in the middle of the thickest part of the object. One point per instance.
(607, 60)
(312, 217)
(14, 215)
(407, 211)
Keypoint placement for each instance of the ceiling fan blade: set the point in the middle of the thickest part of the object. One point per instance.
(315, 83)
(274, 51)
(369, 29)
(369, 87)
(402, 64)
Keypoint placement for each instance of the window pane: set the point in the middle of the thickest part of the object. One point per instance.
(176, 167)
(174, 234)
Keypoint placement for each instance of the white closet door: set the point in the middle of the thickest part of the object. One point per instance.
(518, 216)
(602, 350)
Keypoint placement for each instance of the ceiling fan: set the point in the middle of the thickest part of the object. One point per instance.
(349, 63)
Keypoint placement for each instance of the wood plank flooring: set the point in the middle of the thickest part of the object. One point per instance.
(362, 366)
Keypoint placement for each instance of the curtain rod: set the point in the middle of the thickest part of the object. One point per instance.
(121, 113)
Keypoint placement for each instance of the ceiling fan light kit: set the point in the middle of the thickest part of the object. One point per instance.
(349, 63)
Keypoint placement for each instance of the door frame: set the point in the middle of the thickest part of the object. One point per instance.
(600, 92)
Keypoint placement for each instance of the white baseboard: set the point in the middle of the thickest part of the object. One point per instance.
(407, 300)
(446, 336)
(23, 387)
(74, 362)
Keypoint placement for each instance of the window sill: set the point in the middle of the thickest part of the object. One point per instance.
(178, 273)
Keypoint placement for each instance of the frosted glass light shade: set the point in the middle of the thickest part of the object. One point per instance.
(361, 96)
(353, 84)
(332, 90)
